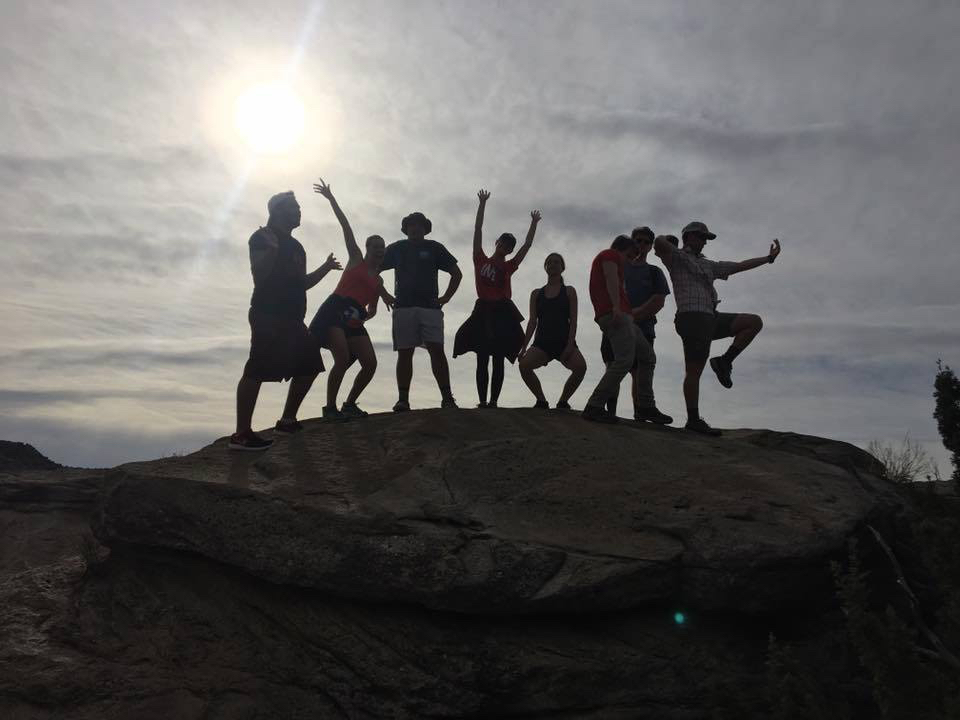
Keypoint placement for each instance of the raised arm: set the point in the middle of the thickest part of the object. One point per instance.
(528, 242)
(663, 248)
(483, 196)
(752, 263)
(354, 254)
(531, 322)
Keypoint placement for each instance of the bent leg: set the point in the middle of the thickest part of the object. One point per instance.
(744, 328)
(247, 391)
(497, 386)
(578, 369)
(621, 334)
(362, 349)
(337, 341)
(299, 387)
(534, 358)
(441, 371)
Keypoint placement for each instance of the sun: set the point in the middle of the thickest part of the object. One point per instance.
(269, 118)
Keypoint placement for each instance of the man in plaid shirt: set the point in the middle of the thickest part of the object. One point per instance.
(698, 322)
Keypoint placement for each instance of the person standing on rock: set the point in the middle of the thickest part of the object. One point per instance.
(281, 346)
(493, 331)
(698, 322)
(647, 290)
(339, 324)
(418, 309)
(612, 313)
(553, 317)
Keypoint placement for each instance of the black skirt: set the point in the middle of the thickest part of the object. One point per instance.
(493, 328)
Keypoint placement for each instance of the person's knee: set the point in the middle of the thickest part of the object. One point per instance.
(757, 322)
(369, 364)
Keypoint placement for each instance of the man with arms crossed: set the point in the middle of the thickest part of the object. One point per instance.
(698, 322)
(418, 313)
(281, 347)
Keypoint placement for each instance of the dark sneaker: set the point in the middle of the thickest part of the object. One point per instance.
(542, 405)
(449, 402)
(351, 410)
(331, 414)
(723, 369)
(563, 405)
(598, 414)
(651, 414)
(492, 404)
(287, 427)
(248, 441)
(699, 425)
(401, 406)
(482, 405)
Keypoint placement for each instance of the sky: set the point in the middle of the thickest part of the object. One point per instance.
(127, 194)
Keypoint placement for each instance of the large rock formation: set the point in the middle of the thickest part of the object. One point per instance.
(508, 563)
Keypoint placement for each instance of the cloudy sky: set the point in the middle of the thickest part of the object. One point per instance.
(128, 193)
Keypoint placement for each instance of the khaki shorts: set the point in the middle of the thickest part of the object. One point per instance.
(416, 327)
(699, 329)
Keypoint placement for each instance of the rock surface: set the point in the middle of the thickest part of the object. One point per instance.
(465, 564)
(512, 511)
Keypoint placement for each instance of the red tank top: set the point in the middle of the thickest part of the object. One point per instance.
(358, 284)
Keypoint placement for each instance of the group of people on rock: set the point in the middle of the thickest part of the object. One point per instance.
(626, 291)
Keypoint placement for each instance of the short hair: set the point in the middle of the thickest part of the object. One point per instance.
(622, 242)
(558, 256)
(374, 237)
(509, 239)
(279, 200)
(642, 233)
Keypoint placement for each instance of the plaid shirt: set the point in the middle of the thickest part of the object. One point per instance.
(692, 276)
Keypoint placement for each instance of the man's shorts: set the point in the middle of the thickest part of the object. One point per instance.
(416, 326)
(280, 348)
(698, 329)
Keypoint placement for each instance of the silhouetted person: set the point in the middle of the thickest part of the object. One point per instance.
(646, 290)
(339, 324)
(553, 317)
(281, 346)
(698, 322)
(493, 331)
(418, 313)
(612, 313)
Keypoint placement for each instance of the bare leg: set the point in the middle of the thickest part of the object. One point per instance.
(578, 368)
(483, 377)
(247, 391)
(532, 359)
(299, 387)
(362, 348)
(441, 371)
(404, 373)
(337, 341)
(691, 385)
(745, 328)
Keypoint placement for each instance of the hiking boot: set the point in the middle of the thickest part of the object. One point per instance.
(598, 414)
(332, 415)
(699, 425)
(723, 369)
(351, 410)
(541, 405)
(401, 406)
(248, 441)
(287, 427)
(449, 402)
(651, 414)
(563, 405)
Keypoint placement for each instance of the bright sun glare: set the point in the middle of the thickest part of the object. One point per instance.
(270, 118)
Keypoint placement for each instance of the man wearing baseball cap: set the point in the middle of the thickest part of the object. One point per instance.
(698, 322)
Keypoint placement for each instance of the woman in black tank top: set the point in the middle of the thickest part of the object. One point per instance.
(553, 317)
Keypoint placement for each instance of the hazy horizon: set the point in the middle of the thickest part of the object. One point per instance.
(129, 195)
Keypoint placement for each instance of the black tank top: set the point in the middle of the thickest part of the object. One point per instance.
(553, 317)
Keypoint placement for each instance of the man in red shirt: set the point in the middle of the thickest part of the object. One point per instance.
(612, 312)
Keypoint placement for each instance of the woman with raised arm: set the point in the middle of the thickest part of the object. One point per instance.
(339, 323)
(493, 331)
(553, 316)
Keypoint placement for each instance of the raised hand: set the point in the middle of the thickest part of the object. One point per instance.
(535, 216)
(324, 189)
(332, 263)
(484, 195)
(774, 250)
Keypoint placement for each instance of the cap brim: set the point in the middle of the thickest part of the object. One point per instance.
(710, 236)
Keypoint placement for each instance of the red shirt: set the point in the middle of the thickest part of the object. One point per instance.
(493, 276)
(598, 283)
(358, 284)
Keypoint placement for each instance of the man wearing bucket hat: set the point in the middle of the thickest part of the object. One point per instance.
(418, 306)
(698, 322)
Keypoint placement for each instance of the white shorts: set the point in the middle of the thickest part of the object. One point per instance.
(417, 326)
